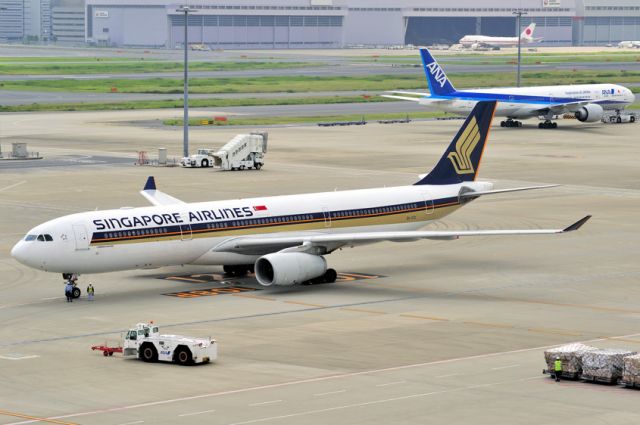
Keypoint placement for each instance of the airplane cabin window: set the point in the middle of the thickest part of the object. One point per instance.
(48, 238)
(30, 238)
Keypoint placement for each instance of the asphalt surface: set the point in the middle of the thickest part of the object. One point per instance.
(450, 332)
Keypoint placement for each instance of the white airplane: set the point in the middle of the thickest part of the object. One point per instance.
(587, 102)
(284, 238)
(629, 44)
(477, 41)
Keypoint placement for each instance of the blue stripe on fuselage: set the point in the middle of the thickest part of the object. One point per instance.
(513, 98)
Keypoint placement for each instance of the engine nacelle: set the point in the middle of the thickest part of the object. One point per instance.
(289, 268)
(590, 113)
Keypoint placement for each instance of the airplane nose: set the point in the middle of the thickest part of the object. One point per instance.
(18, 252)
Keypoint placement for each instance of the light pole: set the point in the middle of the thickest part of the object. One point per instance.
(519, 14)
(185, 125)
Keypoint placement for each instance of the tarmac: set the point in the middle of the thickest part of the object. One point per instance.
(423, 332)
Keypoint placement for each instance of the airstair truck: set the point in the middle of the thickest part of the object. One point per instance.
(242, 152)
(145, 342)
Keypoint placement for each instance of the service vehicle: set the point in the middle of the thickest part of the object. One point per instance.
(202, 158)
(620, 118)
(245, 151)
(145, 342)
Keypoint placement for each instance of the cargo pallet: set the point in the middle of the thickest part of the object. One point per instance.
(628, 384)
(565, 375)
(598, 379)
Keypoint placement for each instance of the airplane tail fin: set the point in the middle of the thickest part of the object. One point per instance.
(461, 160)
(527, 34)
(439, 84)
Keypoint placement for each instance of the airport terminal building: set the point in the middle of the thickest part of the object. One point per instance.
(267, 24)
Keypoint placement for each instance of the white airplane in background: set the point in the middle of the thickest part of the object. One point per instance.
(587, 102)
(629, 44)
(476, 41)
(283, 237)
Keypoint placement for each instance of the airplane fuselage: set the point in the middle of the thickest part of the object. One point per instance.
(525, 102)
(156, 236)
(484, 40)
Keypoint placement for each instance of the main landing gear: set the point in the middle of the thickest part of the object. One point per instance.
(239, 270)
(329, 276)
(510, 123)
(548, 124)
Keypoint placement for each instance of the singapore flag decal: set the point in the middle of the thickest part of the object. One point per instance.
(260, 208)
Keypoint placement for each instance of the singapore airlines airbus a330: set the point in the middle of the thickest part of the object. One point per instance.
(284, 238)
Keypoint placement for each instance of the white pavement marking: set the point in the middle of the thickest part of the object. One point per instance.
(309, 380)
(505, 367)
(11, 186)
(330, 392)
(262, 403)
(19, 357)
(387, 400)
(391, 383)
(197, 413)
(449, 375)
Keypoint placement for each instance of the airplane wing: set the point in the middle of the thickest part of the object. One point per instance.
(155, 196)
(562, 108)
(424, 98)
(324, 243)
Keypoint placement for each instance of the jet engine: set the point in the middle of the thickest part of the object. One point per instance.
(289, 268)
(590, 113)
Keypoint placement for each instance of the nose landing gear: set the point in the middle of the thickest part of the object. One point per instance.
(73, 278)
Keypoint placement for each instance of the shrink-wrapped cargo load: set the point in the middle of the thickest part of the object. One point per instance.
(631, 371)
(604, 365)
(571, 357)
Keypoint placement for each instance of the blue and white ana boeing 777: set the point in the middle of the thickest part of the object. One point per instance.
(586, 101)
(284, 238)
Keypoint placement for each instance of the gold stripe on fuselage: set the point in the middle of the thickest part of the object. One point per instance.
(397, 217)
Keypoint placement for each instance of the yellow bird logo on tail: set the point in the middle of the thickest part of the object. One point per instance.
(466, 143)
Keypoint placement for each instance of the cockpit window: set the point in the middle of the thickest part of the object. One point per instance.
(30, 238)
(48, 238)
(40, 238)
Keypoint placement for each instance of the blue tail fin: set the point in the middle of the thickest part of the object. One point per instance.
(461, 161)
(439, 84)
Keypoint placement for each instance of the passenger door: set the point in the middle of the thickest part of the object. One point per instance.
(81, 237)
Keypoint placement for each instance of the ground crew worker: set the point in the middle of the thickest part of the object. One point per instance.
(68, 291)
(90, 292)
(557, 368)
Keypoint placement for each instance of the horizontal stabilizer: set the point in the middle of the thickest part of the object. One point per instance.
(515, 189)
(391, 96)
(155, 196)
(412, 93)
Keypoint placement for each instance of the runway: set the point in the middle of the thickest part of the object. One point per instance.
(450, 332)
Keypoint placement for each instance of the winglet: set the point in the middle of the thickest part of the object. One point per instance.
(150, 184)
(578, 224)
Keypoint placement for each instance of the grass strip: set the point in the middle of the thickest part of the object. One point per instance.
(193, 103)
(137, 66)
(232, 120)
(300, 84)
